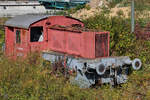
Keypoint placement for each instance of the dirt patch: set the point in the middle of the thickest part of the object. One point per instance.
(125, 11)
(97, 6)
(84, 13)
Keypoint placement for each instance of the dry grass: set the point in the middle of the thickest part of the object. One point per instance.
(84, 13)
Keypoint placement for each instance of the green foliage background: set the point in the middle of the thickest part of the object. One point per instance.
(2, 35)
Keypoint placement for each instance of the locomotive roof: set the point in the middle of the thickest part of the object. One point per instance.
(24, 21)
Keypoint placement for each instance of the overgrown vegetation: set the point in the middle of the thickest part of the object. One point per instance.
(26, 80)
(32, 79)
(1, 37)
(2, 21)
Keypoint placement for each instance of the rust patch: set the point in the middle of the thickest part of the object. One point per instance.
(101, 45)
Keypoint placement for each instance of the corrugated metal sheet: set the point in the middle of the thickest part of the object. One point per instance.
(24, 21)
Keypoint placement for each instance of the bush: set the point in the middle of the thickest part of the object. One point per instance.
(87, 7)
(1, 37)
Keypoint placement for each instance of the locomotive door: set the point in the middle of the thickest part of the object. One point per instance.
(9, 41)
(20, 49)
(101, 45)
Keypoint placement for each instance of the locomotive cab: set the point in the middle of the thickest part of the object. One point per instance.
(29, 33)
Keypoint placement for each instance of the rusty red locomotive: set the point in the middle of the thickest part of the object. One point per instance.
(59, 33)
(63, 37)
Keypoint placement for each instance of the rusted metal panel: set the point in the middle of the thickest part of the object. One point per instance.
(73, 43)
(64, 21)
(88, 45)
(20, 49)
(101, 45)
(57, 40)
(9, 41)
(79, 43)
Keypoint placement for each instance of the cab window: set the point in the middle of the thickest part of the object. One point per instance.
(18, 36)
(36, 34)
